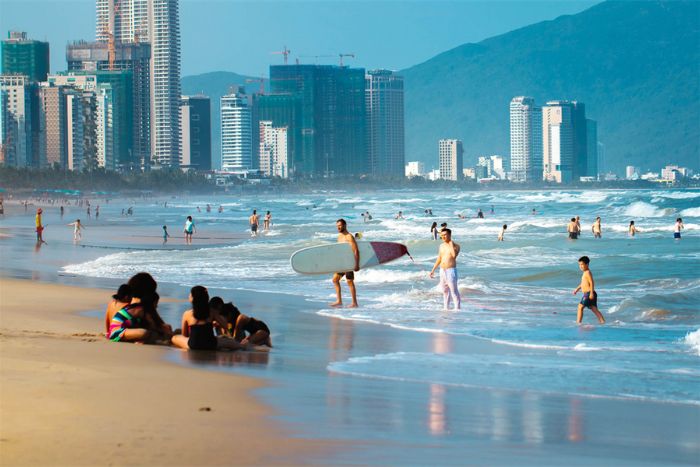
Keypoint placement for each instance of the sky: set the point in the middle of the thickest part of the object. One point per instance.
(240, 36)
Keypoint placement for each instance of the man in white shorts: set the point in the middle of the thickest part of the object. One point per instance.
(447, 261)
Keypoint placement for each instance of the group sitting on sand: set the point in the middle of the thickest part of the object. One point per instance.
(210, 324)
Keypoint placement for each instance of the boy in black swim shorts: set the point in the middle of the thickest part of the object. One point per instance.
(587, 286)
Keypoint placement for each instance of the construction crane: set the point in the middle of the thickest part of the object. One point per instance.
(345, 55)
(260, 80)
(284, 52)
(109, 31)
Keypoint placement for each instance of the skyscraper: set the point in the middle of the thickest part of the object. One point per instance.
(385, 121)
(579, 166)
(156, 22)
(450, 158)
(134, 58)
(332, 124)
(558, 141)
(16, 129)
(525, 140)
(23, 56)
(284, 111)
(273, 150)
(196, 132)
(54, 125)
(236, 138)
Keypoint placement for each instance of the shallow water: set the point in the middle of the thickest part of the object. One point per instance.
(516, 294)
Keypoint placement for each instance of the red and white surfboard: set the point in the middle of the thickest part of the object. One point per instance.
(338, 257)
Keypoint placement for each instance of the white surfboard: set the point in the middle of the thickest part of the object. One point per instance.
(338, 257)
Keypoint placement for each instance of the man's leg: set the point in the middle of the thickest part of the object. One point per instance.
(598, 314)
(454, 290)
(336, 284)
(445, 290)
(353, 293)
(579, 313)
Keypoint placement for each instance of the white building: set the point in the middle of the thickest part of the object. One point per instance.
(15, 121)
(434, 175)
(632, 172)
(236, 132)
(558, 141)
(525, 139)
(450, 158)
(673, 173)
(415, 169)
(157, 22)
(274, 150)
(469, 173)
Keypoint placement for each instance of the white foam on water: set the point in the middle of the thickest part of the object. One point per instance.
(691, 212)
(640, 209)
(678, 194)
(692, 340)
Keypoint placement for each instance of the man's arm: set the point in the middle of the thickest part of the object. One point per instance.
(355, 251)
(591, 282)
(456, 248)
(437, 263)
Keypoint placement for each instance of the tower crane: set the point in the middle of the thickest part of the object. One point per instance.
(260, 80)
(284, 52)
(341, 55)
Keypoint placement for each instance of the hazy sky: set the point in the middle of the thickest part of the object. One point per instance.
(239, 36)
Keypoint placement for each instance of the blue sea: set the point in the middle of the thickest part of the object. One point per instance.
(516, 293)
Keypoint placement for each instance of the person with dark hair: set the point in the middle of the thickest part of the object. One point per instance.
(632, 230)
(572, 229)
(434, 231)
(239, 324)
(198, 325)
(677, 229)
(596, 228)
(346, 237)
(503, 232)
(447, 261)
(254, 220)
(127, 323)
(587, 286)
(189, 230)
(119, 300)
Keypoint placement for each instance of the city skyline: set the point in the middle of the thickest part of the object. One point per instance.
(416, 33)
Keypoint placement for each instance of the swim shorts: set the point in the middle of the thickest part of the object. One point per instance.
(587, 302)
(676, 235)
(349, 275)
(573, 235)
(253, 227)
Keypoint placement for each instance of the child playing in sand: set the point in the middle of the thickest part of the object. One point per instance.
(503, 232)
(590, 298)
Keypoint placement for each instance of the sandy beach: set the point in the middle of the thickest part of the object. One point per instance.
(69, 397)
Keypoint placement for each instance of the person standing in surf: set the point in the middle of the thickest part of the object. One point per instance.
(447, 261)
(189, 230)
(346, 237)
(254, 220)
(596, 228)
(587, 286)
(677, 229)
(572, 229)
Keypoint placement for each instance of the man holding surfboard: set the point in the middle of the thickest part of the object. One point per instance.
(346, 237)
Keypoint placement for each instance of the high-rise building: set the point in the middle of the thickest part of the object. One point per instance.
(284, 111)
(332, 125)
(558, 141)
(120, 100)
(592, 148)
(385, 123)
(415, 169)
(450, 158)
(132, 57)
(273, 150)
(156, 22)
(632, 172)
(236, 138)
(579, 166)
(525, 140)
(53, 125)
(196, 132)
(23, 56)
(16, 118)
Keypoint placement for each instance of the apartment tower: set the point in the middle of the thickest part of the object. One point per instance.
(384, 94)
(525, 140)
(450, 155)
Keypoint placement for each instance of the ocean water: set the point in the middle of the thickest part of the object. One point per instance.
(517, 295)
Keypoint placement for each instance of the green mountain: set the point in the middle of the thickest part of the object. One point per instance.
(636, 66)
(215, 85)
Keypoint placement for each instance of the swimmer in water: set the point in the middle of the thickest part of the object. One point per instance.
(503, 232)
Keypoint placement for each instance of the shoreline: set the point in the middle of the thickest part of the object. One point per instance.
(71, 397)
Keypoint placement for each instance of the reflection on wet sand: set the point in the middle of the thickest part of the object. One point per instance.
(224, 358)
(437, 410)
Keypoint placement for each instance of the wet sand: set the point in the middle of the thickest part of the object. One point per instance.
(70, 397)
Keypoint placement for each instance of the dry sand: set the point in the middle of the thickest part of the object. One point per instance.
(70, 397)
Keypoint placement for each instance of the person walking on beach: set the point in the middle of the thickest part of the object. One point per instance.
(189, 230)
(447, 261)
(266, 221)
(596, 229)
(587, 286)
(503, 232)
(572, 229)
(632, 230)
(39, 227)
(254, 221)
(97, 212)
(677, 229)
(166, 235)
(77, 230)
(346, 237)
